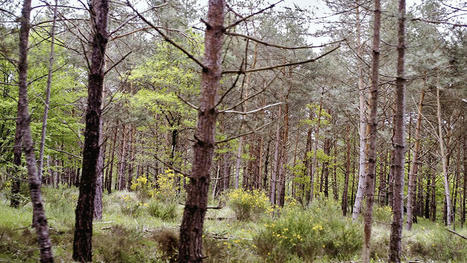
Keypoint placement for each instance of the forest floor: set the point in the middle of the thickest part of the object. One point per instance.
(137, 231)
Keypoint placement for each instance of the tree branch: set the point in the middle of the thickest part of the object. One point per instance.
(166, 38)
(281, 65)
(243, 134)
(251, 15)
(118, 62)
(252, 111)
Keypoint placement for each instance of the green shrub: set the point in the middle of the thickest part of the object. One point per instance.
(129, 205)
(164, 211)
(382, 214)
(308, 234)
(247, 204)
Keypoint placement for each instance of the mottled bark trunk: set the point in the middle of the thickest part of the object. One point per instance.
(444, 161)
(100, 173)
(362, 128)
(47, 93)
(40, 222)
(191, 229)
(465, 172)
(414, 169)
(399, 143)
(370, 147)
(82, 243)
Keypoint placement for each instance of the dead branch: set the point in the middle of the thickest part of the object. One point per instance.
(243, 134)
(281, 65)
(251, 15)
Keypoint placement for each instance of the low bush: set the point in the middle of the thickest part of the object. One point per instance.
(319, 231)
(164, 211)
(247, 204)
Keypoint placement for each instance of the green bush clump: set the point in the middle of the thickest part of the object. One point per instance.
(164, 211)
(382, 214)
(247, 204)
(319, 231)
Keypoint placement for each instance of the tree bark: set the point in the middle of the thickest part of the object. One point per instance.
(347, 174)
(82, 243)
(399, 143)
(40, 224)
(443, 160)
(275, 172)
(414, 169)
(465, 173)
(370, 147)
(191, 229)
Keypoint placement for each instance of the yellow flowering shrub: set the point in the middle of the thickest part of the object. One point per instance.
(167, 187)
(247, 204)
(142, 186)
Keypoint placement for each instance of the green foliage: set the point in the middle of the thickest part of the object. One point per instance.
(307, 234)
(382, 214)
(248, 204)
(164, 211)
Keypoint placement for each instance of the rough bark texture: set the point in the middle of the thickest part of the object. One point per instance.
(370, 147)
(398, 143)
(191, 229)
(444, 161)
(41, 225)
(414, 169)
(82, 243)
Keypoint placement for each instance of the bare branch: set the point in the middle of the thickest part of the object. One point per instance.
(281, 65)
(252, 111)
(231, 87)
(251, 15)
(187, 103)
(118, 62)
(244, 134)
(279, 46)
(166, 38)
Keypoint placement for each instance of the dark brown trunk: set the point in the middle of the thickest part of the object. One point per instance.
(109, 174)
(399, 144)
(122, 161)
(465, 173)
(82, 243)
(191, 229)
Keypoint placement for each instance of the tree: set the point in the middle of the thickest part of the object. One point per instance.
(398, 142)
(370, 147)
(82, 243)
(40, 224)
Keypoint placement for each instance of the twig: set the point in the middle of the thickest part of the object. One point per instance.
(251, 15)
(118, 62)
(231, 87)
(187, 103)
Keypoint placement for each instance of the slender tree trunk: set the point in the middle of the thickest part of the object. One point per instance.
(108, 177)
(444, 161)
(399, 143)
(40, 224)
(315, 148)
(82, 243)
(191, 229)
(15, 171)
(347, 174)
(47, 92)
(99, 171)
(275, 172)
(414, 170)
(465, 174)
(122, 161)
(362, 129)
(370, 147)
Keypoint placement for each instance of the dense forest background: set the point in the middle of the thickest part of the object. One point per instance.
(292, 129)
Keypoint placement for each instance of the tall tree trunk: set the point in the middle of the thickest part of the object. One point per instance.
(122, 161)
(40, 222)
(99, 171)
(191, 229)
(314, 162)
(15, 171)
(82, 243)
(414, 169)
(399, 143)
(443, 160)
(47, 93)
(275, 172)
(362, 128)
(370, 146)
(109, 172)
(465, 173)
(347, 174)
